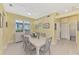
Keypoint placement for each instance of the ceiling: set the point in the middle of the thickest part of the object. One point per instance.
(37, 10)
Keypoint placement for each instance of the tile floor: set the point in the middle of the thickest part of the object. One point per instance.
(63, 47)
(15, 49)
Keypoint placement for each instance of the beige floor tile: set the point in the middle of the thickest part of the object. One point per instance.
(63, 47)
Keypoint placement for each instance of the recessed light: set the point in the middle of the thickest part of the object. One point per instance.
(55, 10)
(66, 10)
(11, 5)
(29, 13)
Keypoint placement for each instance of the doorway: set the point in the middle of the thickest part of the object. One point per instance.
(64, 31)
(57, 29)
(72, 31)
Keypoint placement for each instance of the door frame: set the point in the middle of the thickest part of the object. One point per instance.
(58, 26)
(68, 35)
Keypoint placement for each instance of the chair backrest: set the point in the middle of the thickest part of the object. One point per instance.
(22, 37)
(27, 33)
(38, 34)
(48, 43)
(25, 39)
(43, 34)
(33, 35)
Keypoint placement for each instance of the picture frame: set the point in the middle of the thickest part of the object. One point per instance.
(46, 25)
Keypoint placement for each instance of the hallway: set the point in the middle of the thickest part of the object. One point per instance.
(63, 47)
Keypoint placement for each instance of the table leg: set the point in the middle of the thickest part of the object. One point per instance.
(37, 51)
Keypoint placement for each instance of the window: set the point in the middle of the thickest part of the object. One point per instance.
(19, 26)
(22, 26)
(26, 26)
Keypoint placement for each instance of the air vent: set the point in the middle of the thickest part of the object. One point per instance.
(48, 16)
(10, 5)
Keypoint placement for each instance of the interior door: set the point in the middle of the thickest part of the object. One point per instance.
(65, 31)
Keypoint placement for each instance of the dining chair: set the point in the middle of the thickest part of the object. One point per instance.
(43, 34)
(27, 32)
(46, 48)
(28, 47)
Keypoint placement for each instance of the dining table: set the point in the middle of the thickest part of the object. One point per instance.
(37, 43)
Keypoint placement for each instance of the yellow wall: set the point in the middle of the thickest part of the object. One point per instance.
(50, 31)
(77, 34)
(9, 33)
(1, 31)
(69, 20)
